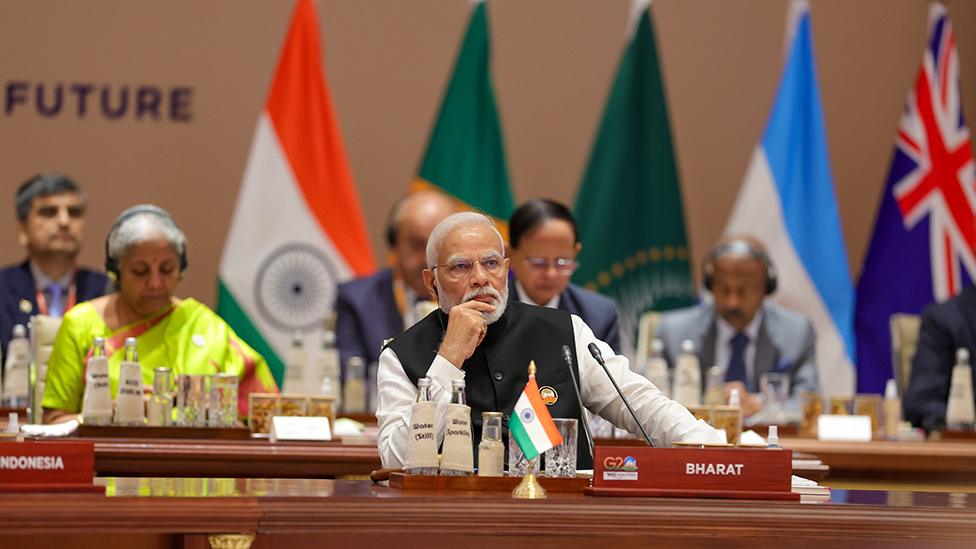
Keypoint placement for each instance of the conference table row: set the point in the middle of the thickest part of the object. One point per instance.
(163, 512)
(945, 466)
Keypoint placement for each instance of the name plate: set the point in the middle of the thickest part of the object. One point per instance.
(300, 428)
(693, 472)
(47, 463)
(833, 427)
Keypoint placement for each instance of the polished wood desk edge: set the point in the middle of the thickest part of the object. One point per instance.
(478, 516)
(915, 459)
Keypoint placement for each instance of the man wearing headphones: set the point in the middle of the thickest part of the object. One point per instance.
(740, 331)
(374, 308)
(50, 226)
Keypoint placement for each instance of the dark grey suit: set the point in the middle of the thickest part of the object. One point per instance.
(785, 343)
(945, 328)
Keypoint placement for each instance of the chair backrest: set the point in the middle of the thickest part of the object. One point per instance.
(43, 331)
(904, 341)
(646, 328)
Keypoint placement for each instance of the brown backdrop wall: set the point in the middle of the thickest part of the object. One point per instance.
(387, 62)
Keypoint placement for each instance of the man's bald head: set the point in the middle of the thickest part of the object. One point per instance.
(738, 270)
(411, 221)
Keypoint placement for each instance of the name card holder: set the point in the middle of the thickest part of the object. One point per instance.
(300, 428)
(734, 473)
(48, 467)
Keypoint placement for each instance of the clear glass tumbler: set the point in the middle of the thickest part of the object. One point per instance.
(561, 460)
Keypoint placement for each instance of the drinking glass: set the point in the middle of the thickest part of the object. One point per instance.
(518, 466)
(191, 400)
(223, 401)
(561, 459)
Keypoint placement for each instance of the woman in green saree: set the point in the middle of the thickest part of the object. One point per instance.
(146, 253)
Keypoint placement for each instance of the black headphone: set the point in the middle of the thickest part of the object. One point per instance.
(111, 263)
(738, 247)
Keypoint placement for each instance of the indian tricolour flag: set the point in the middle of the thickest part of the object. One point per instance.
(297, 229)
(531, 424)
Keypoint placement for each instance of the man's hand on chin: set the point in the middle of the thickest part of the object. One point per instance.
(466, 327)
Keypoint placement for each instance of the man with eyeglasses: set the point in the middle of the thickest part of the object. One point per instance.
(50, 211)
(544, 245)
(374, 308)
(478, 335)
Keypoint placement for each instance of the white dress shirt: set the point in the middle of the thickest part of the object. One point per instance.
(723, 344)
(553, 302)
(665, 420)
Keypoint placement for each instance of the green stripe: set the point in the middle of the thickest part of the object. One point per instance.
(234, 315)
(522, 437)
(465, 155)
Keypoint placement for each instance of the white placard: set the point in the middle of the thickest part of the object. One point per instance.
(300, 428)
(856, 428)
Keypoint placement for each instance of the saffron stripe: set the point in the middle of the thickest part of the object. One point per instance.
(301, 110)
(541, 412)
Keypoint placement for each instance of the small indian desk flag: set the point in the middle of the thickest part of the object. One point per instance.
(531, 424)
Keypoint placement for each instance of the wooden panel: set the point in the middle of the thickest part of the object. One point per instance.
(941, 466)
(229, 458)
(307, 513)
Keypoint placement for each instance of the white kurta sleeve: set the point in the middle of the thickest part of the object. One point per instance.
(665, 420)
(396, 393)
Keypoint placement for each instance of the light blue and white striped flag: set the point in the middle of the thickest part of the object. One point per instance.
(787, 201)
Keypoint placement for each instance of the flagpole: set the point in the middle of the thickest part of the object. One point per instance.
(529, 488)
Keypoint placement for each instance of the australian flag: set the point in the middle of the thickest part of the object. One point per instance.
(922, 247)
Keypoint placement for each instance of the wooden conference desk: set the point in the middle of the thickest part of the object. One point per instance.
(163, 512)
(943, 466)
(920, 466)
(256, 458)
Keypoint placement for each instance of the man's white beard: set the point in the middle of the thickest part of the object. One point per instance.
(501, 300)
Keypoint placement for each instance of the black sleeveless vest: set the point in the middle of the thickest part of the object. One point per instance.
(498, 370)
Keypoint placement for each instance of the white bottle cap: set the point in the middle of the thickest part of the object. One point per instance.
(891, 389)
(687, 346)
(773, 438)
(657, 346)
(20, 331)
(962, 355)
(734, 399)
(13, 423)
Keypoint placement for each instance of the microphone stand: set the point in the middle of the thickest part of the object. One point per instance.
(568, 357)
(595, 351)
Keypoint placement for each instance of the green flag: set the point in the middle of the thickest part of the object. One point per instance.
(629, 208)
(465, 157)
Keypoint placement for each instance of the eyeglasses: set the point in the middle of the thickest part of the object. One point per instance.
(462, 268)
(563, 265)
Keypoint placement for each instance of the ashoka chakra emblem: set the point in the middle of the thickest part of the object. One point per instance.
(295, 287)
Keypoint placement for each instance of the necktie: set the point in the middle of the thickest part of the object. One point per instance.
(54, 305)
(737, 364)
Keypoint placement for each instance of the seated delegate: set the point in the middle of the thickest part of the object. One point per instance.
(146, 253)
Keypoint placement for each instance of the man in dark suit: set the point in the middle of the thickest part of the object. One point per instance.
(372, 309)
(51, 221)
(945, 328)
(544, 246)
(741, 331)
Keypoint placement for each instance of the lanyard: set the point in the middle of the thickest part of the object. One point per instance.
(72, 299)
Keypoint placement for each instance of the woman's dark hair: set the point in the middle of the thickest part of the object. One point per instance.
(535, 212)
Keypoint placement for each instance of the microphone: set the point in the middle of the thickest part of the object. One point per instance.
(595, 351)
(568, 357)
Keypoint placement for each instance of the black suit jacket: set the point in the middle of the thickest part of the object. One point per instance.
(945, 328)
(17, 284)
